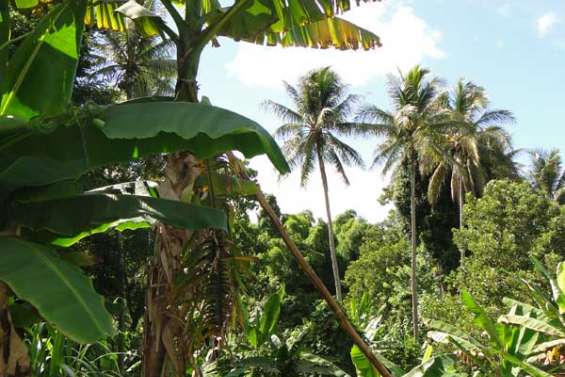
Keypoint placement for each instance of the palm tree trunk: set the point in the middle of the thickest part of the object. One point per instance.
(14, 358)
(333, 255)
(413, 277)
(461, 202)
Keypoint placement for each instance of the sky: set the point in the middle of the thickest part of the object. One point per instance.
(513, 48)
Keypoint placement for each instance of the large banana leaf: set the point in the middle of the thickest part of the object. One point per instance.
(59, 290)
(73, 218)
(534, 324)
(39, 77)
(273, 23)
(330, 32)
(362, 364)
(103, 14)
(130, 131)
(270, 317)
(98, 12)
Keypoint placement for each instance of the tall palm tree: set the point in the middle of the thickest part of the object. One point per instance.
(137, 65)
(548, 174)
(472, 135)
(311, 135)
(407, 134)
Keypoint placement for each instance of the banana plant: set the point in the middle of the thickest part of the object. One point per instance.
(46, 146)
(363, 316)
(198, 23)
(505, 351)
(271, 355)
(546, 318)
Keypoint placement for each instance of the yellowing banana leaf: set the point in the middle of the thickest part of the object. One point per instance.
(61, 293)
(103, 15)
(304, 24)
(330, 32)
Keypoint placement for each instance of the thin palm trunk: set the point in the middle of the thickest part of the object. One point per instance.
(461, 202)
(413, 279)
(333, 255)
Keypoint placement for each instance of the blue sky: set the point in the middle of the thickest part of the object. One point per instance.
(514, 48)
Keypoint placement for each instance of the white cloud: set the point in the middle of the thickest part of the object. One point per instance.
(361, 195)
(407, 40)
(545, 23)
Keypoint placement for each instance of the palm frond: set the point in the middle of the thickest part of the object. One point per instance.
(436, 183)
(347, 153)
(284, 113)
(334, 159)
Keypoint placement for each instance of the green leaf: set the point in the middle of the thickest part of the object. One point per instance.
(447, 331)
(224, 130)
(533, 324)
(362, 365)
(481, 317)
(61, 293)
(530, 369)
(4, 38)
(270, 317)
(130, 131)
(76, 217)
(39, 76)
(228, 185)
(310, 364)
(439, 366)
(24, 4)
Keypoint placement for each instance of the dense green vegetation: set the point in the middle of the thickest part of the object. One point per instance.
(134, 242)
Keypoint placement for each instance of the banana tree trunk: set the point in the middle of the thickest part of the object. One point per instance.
(163, 324)
(14, 358)
(333, 254)
(413, 275)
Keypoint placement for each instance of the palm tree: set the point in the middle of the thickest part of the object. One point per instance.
(322, 106)
(137, 65)
(407, 137)
(548, 174)
(472, 135)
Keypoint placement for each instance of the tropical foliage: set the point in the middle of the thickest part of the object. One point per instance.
(134, 241)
